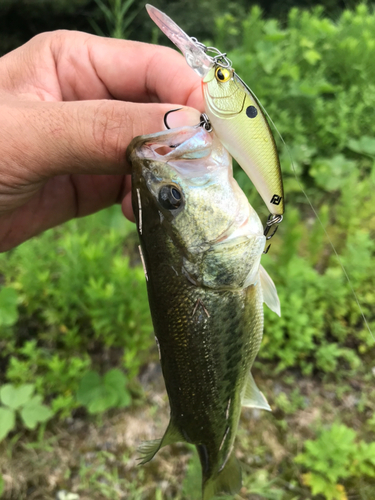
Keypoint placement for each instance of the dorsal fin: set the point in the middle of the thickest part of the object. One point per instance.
(270, 296)
(252, 397)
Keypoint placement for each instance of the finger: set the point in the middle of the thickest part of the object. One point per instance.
(68, 65)
(127, 208)
(43, 139)
(123, 69)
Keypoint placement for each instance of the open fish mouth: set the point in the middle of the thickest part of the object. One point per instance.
(192, 151)
(181, 143)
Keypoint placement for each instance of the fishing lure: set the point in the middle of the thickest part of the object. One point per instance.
(235, 115)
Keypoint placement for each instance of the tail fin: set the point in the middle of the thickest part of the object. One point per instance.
(229, 480)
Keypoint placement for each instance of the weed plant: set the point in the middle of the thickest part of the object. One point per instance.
(316, 80)
(81, 305)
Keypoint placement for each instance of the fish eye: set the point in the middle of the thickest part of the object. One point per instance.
(223, 74)
(170, 197)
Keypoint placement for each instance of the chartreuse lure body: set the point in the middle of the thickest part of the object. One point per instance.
(234, 114)
(201, 245)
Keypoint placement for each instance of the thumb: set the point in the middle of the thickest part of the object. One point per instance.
(82, 137)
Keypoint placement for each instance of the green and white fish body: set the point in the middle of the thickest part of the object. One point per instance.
(201, 246)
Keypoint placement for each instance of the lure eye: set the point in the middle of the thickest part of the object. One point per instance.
(223, 74)
(170, 197)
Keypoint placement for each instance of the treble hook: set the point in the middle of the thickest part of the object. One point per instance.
(166, 115)
(272, 221)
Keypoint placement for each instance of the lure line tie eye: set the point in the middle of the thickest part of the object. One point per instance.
(220, 57)
(205, 122)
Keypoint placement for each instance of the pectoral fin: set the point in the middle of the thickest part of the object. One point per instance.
(252, 277)
(252, 397)
(270, 296)
(148, 449)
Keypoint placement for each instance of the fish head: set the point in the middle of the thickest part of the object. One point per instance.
(184, 190)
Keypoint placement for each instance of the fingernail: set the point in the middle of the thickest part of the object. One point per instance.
(182, 117)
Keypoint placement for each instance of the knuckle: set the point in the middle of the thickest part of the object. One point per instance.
(45, 39)
(58, 40)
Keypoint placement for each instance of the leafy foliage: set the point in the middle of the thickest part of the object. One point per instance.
(82, 300)
(335, 455)
(23, 401)
(117, 16)
(20, 19)
(314, 78)
(99, 394)
(8, 307)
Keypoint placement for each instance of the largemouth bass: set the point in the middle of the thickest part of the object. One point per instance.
(201, 245)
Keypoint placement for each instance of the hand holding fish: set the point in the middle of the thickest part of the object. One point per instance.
(70, 105)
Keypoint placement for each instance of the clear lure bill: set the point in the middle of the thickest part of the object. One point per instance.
(235, 116)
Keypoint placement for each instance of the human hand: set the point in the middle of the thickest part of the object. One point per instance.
(64, 125)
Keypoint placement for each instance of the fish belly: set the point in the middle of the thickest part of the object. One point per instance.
(208, 341)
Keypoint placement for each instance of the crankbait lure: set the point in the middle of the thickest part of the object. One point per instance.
(234, 114)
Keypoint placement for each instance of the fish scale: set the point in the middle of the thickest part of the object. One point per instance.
(231, 338)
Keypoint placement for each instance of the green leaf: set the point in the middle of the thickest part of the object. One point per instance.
(365, 145)
(1, 485)
(8, 306)
(100, 394)
(95, 394)
(34, 412)
(7, 422)
(312, 56)
(115, 378)
(124, 399)
(331, 173)
(88, 387)
(105, 399)
(15, 397)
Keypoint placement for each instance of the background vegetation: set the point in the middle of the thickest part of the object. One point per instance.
(79, 379)
(22, 19)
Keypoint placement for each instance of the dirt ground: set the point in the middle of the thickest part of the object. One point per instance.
(94, 459)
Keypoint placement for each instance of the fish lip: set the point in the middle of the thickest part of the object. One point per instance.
(178, 142)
